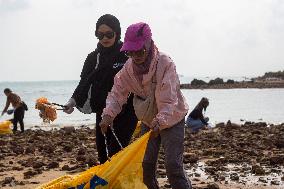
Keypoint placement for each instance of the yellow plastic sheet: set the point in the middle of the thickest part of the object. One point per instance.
(123, 171)
(5, 127)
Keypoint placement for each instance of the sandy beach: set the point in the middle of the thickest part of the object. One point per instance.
(229, 156)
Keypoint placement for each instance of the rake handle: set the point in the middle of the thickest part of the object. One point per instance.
(59, 105)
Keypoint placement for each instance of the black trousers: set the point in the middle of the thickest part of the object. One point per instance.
(124, 125)
(19, 115)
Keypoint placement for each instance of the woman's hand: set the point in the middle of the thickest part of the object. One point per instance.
(155, 127)
(69, 106)
(105, 123)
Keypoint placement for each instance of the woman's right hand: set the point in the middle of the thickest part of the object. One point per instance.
(105, 123)
(69, 106)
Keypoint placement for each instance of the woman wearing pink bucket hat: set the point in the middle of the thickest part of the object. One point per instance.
(158, 102)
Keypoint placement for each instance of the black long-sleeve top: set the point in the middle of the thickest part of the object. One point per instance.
(197, 114)
(99, 70)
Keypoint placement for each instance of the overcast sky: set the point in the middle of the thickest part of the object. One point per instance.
(50, 39)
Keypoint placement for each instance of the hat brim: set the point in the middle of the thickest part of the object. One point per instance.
(132, 46)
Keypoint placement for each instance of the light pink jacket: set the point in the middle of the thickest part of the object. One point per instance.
(171, 104)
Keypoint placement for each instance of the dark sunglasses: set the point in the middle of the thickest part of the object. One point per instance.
(138, 53)
(109, 35)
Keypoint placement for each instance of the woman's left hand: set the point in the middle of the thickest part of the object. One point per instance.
(155, 127)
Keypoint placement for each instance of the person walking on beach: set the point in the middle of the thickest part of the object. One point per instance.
(158, 103)
(96, 81)
(196, 120)
(19, 109)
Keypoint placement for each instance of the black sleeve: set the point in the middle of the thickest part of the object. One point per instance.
(197, 114)
(201, 117)
(88, 67)
(203, 120)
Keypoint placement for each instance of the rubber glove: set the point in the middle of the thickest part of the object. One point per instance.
(69, 106)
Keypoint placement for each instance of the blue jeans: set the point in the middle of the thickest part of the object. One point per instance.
(194, 124)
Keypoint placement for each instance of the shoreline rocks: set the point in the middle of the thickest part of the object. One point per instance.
(226, 153)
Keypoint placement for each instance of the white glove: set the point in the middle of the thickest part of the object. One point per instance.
(69, 106)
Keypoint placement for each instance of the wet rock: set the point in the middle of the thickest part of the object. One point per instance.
(3, 142)
(279, 143)
(234, 176)
(29, 174)
(248, 123)
(275, 182)
(53, 165)
(211, 170)
(30, 150)
(8, 180)
(68, 130)
(222, 124)
(20, 183)
(68, 148)
(81, 151)
(81, 158)
(18, 150)
(92, 161)
(49, 148)
(262, 179)
(274, 170)
(258, 170)
(231, 125)
(17, 168)
(28, 162)
(213, 186)
(190, 158)
(72, 168)
(197, 174)
(38, 164)
(277, 160)
(65, 168)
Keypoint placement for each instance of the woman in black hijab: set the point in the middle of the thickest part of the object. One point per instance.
(97, 77)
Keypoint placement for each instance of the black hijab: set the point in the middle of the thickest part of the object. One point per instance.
(112, 22)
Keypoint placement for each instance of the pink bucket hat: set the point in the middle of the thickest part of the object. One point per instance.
(135, 37)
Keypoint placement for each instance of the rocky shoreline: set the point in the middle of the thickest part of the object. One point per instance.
(239, 85)
(227, 156)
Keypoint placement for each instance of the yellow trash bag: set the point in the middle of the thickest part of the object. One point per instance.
(123, 171)
(5, 127)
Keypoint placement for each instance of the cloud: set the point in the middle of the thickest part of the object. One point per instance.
(83, 3)
(205, 37)
(13, 5)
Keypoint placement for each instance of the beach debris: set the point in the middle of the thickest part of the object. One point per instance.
(47, 110)
(5, 127)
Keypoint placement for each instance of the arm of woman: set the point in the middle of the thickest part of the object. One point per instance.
(6, 106)
(118, 95)
(202, 118)
(167, 94)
